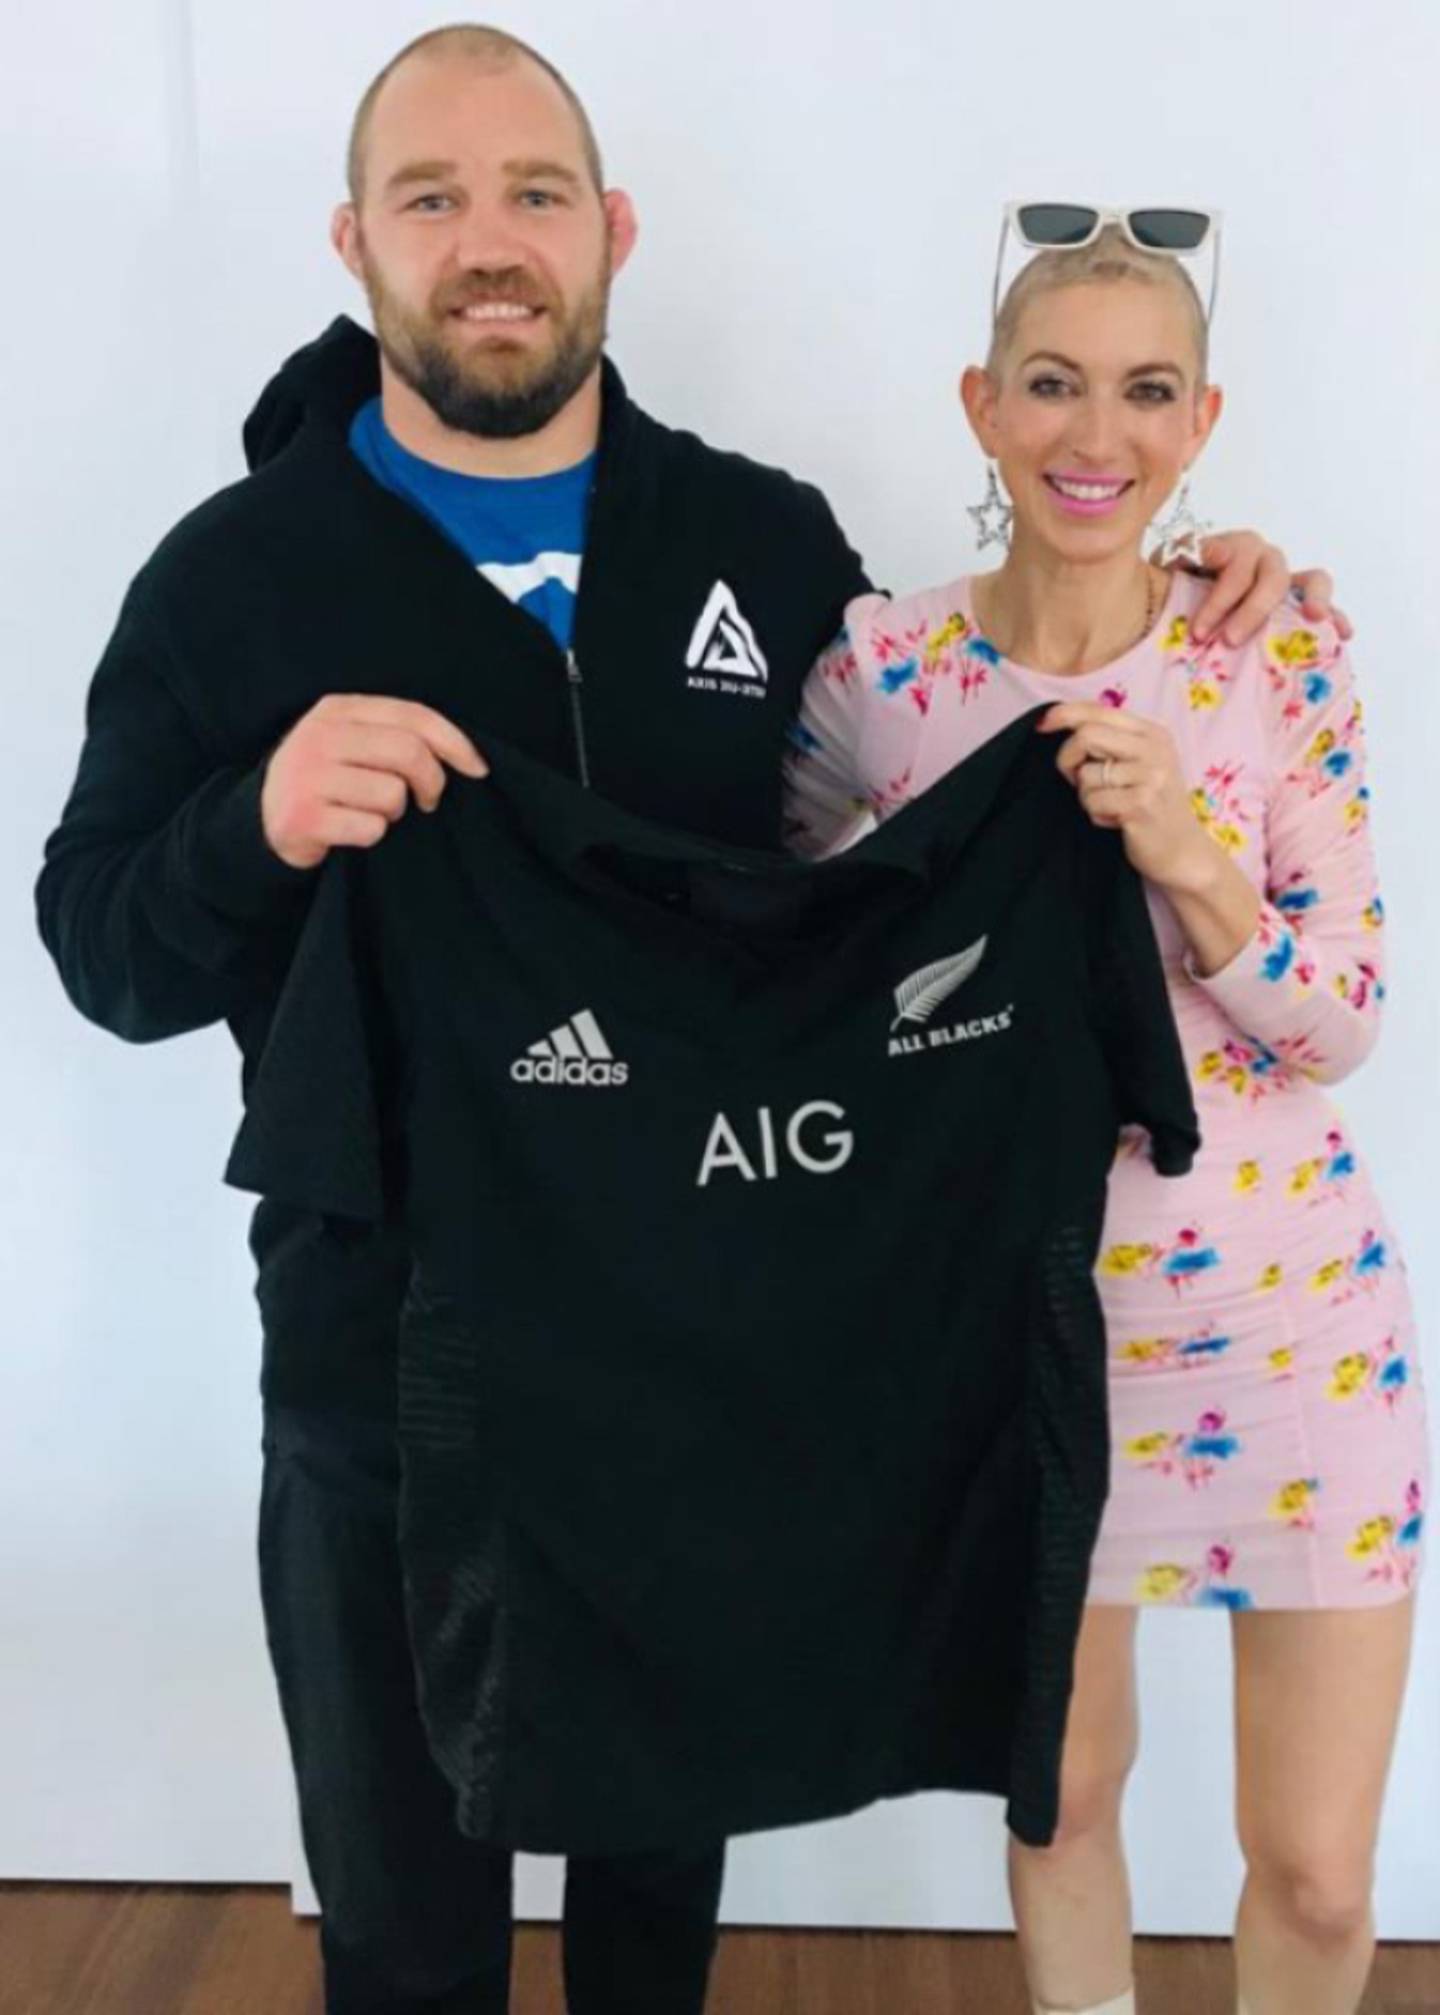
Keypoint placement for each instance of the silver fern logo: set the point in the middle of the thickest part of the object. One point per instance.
(918, 997)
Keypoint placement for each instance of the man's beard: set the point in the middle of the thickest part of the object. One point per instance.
(496, 395)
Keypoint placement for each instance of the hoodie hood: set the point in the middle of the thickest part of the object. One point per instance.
(328, 380)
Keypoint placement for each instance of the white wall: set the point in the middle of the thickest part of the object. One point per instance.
(819, 190)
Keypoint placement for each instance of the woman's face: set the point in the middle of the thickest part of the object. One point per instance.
(1096, 416)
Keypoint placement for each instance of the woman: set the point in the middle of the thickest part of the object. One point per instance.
(1268, 1438)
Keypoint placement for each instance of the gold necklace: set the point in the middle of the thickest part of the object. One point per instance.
(1154, 592)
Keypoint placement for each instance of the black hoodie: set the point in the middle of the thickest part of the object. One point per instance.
(160, 901)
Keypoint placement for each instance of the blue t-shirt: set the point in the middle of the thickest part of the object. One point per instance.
(525, 534)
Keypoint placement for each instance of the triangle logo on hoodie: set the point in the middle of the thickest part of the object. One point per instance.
(723, 642)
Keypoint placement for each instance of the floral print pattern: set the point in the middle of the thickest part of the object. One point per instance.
(1268, 1429)
(1194, 1454)
(1206, 1586)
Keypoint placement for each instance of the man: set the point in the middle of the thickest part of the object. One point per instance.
(471, 531)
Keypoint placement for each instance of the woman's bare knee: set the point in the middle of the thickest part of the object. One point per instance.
(1092, 1791)
(1311, 1774)
(1102, 1732)
(1321, 1890)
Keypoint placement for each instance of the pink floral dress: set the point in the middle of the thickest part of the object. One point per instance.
(1268, 1434)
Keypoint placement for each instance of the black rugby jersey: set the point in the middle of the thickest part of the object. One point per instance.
(752, 1374)
(711, 584)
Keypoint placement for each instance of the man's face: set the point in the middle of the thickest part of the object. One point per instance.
(484, 247)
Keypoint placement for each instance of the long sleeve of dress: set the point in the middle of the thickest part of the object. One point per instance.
(1309, 983)
(826, 805)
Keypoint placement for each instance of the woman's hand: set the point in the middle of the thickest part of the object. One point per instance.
(1127, 773)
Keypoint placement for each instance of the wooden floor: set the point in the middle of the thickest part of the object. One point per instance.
(113, 1949)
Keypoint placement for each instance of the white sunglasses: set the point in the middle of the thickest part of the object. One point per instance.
(1065, 227)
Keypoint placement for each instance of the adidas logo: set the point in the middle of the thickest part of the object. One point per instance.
(575, 1053)
(723, 655)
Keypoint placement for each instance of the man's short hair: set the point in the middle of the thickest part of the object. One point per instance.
(493, 49)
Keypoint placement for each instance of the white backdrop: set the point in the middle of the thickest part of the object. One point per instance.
(819, 190)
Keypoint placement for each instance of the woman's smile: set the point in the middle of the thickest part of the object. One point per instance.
(1088, 496)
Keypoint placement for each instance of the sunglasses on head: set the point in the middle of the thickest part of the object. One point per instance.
(1056, 227)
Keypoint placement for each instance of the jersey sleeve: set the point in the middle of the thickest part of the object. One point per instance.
(1309, 983)
(313, 1133)
(1130, 1004)
(825, 802)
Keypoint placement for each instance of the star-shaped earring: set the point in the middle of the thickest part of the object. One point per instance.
(1181, 534)
(993, 516)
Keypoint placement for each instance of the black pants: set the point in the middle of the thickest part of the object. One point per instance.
(416, 1917)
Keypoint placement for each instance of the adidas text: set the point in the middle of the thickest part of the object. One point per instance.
(567, 1070)
(575, 1053)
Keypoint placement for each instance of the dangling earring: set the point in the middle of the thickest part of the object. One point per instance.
(993, 516)
(1180, 534)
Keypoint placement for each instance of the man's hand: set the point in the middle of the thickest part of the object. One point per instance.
(347, 770)
(1252, 579)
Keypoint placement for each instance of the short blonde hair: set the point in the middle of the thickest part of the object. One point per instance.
(492, 49)
(1110, 258)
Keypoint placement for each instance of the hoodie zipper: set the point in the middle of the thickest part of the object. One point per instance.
(577, 716)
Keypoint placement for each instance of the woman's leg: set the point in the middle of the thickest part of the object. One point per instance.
(1317, 1699)
(1072, 1899)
